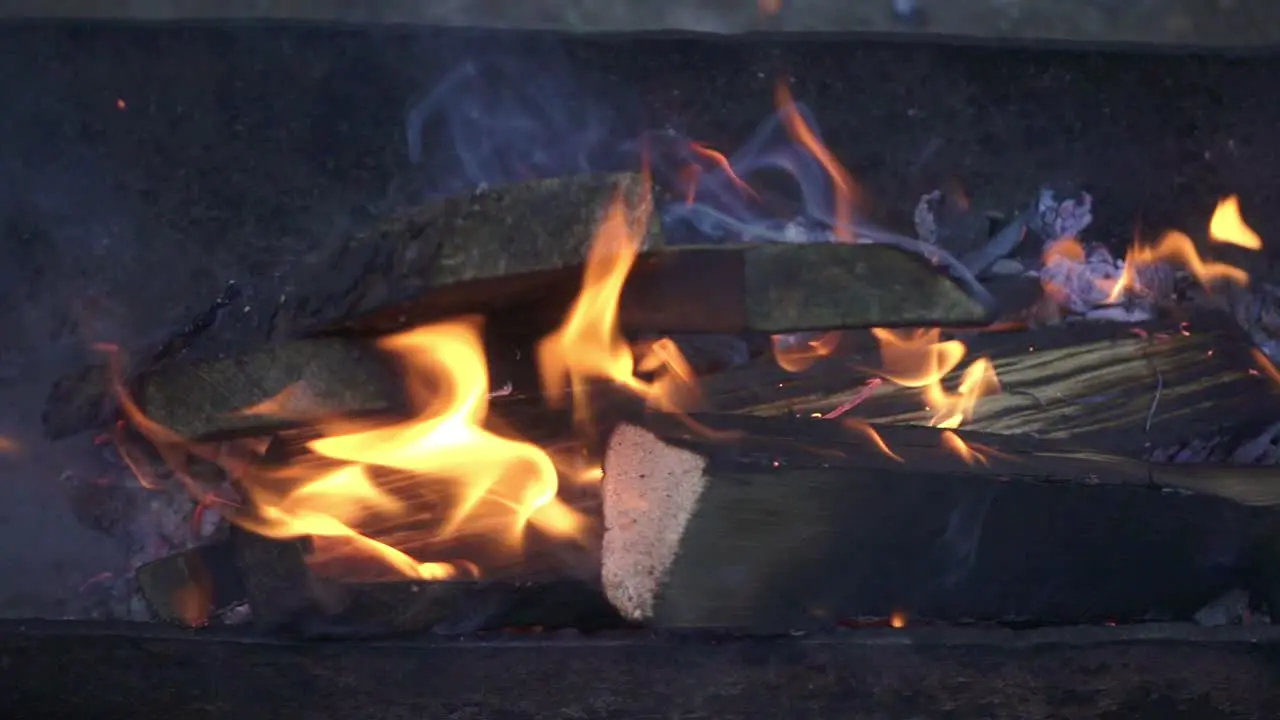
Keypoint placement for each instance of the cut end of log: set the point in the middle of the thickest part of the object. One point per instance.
(650, 491)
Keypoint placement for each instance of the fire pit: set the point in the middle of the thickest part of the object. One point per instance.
(558, 378)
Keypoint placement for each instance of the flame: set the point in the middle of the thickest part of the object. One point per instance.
(497, 485)
(955, 444)
(918, 358)
(1267, 367)
(589, 347)
(797, 354)
(1227, 226)
(864, 427)
(692, 173)
(846, 190)
(1177, 248)
(897, 619)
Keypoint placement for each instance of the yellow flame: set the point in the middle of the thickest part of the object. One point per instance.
(1228, 226)
(589, 347)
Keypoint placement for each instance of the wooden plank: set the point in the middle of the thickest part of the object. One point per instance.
(515, 230)
(797, 523)
(141, 671)
(1092, 383)
(1161, 22)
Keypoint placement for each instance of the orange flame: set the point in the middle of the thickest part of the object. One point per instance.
(1173, 247)
(495, 485)
(794, 356)
(589, 347)
(865, 428)
(920, 359)
(1267, 367)
(846, 190)
(692, 173)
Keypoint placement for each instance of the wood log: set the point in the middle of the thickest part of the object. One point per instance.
(743, 288)
(1198, 23)
(148, 672)
(1091, 383)
(537, 226)
(801, 522)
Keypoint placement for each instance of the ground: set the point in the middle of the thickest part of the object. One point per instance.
(143, 169)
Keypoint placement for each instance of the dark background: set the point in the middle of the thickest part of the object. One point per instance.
(143, 168)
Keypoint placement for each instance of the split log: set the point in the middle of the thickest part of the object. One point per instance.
(518, 230)
(802, 522)
(744, 288)
(1091, 383)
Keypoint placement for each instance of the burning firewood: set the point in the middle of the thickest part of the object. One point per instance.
(1118, 387)
(761, 288)
(799, 523)
(544, 225)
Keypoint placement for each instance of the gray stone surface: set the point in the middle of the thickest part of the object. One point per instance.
(1197, 22)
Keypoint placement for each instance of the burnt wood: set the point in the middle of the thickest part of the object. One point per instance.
(799, 523)
(141, 672)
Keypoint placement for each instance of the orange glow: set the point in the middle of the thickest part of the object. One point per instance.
(1267, 367)
(589, 347)
(846, 190)
(1064, 249)
(897, 620)
(799, 357)
(865, 428)
(920, 359)
(770, 7)
(9, 446)
(1227, 226)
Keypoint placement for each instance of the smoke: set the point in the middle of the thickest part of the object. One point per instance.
(508, 117)
(525, 114)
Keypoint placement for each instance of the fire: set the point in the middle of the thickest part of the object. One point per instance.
(846, 191)
(797, 353)
(1227, 226)
(1174, 247)
(492, 485)
(9, 446)
(589, 347)
(920, 359)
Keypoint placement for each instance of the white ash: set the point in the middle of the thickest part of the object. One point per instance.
(925, 217)
(1056, 219)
